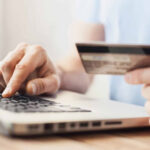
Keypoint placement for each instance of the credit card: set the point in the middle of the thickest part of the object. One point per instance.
(114, 59)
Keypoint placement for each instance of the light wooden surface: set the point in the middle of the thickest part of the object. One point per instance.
(106, 140)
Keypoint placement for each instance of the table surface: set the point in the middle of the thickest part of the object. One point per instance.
(137, 139)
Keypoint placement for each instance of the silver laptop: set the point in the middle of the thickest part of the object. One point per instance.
(23, 115)
(67, 112)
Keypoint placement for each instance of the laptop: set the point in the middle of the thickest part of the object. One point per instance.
(66, 112)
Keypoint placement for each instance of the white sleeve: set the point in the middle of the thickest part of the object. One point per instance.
(88, 10)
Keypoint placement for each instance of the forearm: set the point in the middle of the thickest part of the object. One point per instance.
(73, 77)
(72, 74)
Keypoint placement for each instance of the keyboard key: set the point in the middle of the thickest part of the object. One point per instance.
(34, 104)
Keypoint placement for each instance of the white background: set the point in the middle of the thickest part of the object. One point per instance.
(43, 22)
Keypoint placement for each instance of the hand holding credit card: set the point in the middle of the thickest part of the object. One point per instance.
(115, 59)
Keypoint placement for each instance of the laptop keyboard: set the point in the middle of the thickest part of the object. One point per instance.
(33, 104)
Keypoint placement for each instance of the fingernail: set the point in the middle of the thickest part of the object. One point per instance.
(34, 89)
(7, 92)
(131, 79)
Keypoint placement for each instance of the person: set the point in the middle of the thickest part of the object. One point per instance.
(28, 68)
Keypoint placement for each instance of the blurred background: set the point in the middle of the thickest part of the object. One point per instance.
(42, 22)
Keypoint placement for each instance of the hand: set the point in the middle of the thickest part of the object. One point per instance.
(141, 76)
(19, 66)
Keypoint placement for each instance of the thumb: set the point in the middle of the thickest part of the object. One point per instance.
(48, 85)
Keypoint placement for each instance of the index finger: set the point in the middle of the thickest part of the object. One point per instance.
(140, 76)
(32, 60)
